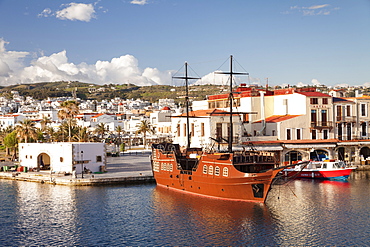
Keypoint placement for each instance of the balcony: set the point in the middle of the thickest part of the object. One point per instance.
(345, 119)
(320, 125)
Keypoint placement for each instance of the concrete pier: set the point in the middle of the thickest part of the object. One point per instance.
(127, 169)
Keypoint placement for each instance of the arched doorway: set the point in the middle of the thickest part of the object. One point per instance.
(319, 155)
(364, 154)
(43, 161)
(292, 156)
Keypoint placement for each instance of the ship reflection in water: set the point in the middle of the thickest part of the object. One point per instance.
(213, 221)
(303, 212)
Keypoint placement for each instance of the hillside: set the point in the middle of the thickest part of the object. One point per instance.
(99, 92)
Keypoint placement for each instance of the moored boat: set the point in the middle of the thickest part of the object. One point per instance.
(328, 169)
(244, 175)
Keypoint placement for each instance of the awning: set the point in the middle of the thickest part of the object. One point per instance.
(269, 148)
(291, 146)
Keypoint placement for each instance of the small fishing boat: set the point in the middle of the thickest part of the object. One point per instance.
(328, 169)
(228, 174)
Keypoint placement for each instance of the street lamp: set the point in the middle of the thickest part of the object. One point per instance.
(82, 164)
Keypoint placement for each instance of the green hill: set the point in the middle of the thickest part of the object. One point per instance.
(99, 92)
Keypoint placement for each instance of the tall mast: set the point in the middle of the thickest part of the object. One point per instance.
(231, 97)
(186, 77)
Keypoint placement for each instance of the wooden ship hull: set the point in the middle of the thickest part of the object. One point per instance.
(243, 176)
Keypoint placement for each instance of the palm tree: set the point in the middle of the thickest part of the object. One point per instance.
(69, 109)
(101, 129)
(119, 130)
(26, 130)
(145, 127)
(44, 122)
(50, 133)
(83, 135)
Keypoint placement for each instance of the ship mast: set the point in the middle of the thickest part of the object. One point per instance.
(231, 97)
(186, 77)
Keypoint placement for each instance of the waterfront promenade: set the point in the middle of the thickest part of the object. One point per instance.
(129, 168)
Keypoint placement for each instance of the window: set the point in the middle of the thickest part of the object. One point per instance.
(217, 171)
(340, 132)
(363, 129)
(178, 130)
(313, 116)
(192, 129)
(225, 172)
(348, 111)
(314, 101)
(324, 101)
(313, 134)
(202, 129)
(349, 130)
(204, 169)
(339, 112)
(210, 170)
(325, 134)
(363, 110)
(288, 134)
(324, 117)
(99, 158)
(184, 129)
(218, 130)
(61, 159)
(299, 134)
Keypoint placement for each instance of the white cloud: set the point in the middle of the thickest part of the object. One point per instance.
(318, 6)
(316, 82)
(139, 2)
(46, 13)
(323, 9)
(56, 67)
(77, 11)
(223, 79)
(10, 62)
(301, 84)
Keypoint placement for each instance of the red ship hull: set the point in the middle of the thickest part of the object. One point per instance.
(215, 175)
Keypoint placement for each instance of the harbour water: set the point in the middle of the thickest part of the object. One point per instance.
(299, 213)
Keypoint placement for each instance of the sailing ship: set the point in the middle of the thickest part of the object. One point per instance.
(244, 174)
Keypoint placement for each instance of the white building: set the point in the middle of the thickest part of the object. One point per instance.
(63, 156)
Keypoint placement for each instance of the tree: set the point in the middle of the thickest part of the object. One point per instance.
(11, 142)
(69, 109)
(50, 133)
(26, 130)
(100, 130)
(84, 135)
(44, 122)
(119, 130)
(145, 127)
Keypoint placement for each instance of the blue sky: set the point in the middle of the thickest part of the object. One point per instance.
(296, 42)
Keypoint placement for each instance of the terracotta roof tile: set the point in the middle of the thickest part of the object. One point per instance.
(278, 118)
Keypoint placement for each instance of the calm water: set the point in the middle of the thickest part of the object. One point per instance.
(302, 212)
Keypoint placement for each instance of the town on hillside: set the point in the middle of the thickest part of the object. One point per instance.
(296, 123)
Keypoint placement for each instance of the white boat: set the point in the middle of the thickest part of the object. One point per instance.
(327, 169)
